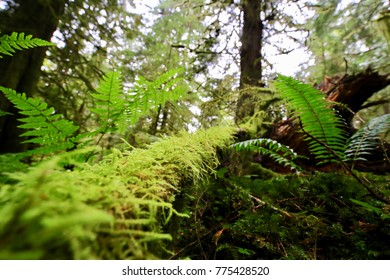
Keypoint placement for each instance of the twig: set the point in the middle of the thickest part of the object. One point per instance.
(258, 200)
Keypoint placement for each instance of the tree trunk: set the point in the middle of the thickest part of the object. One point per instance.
(21, 71)
(250, 56)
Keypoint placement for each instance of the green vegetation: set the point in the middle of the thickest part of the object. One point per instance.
(45, 127)
(128, 147)
(285, 217)
(18, 41)
(114, 209)
(323, 128)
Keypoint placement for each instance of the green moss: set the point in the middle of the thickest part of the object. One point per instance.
(10, 163)
(111, 210)
(285, 217)
(175, 197)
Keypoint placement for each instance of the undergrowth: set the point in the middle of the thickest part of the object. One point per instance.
(284, 217)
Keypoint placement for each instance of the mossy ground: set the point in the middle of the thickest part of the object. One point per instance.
(285, 217)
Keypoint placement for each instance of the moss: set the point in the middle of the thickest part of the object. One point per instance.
(174, 199)
(111, 210)
(10, 163)
(284, 217)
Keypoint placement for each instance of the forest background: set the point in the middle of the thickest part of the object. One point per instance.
(122, 145)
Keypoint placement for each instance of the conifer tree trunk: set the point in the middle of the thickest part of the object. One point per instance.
(21, 71)
(250, 56)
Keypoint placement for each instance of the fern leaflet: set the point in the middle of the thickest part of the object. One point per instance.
(2, 113)
(318, 119)
(365, 140)
(282, 154)
(18, 41)
(44, 127)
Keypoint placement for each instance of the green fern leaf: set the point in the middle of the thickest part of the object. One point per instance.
(18, 41)
(118, 110)
(2, 113)
(44, 127)
(282, 154)
(147, 95)
(316, 116)
(109, 101)
(365, 140)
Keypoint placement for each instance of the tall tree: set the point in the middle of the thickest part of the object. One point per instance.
(269, 28)
(250, 55)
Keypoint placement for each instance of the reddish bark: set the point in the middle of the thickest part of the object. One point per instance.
(353, 90)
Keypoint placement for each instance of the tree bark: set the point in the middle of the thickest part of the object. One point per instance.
(250, 56)
(21, 72)
(353, 90)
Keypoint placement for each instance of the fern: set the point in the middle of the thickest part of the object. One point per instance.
(44, 127)
(109, 101)
(18, 41)
(282, 154)
(115, 109)
(380, 212)
(317, 118)
(365, 140)
(119, 110)
(2, 113)
(147, 95)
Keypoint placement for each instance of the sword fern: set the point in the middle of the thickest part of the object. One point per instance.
(322, 126)
(366, 140)
(280, 153)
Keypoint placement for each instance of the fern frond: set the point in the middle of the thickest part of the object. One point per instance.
(147, 95)
(44, 127)
(18, 41)
(282, 154)
(318, 119)
(365, 140)
(109, 101)
(118, 110)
